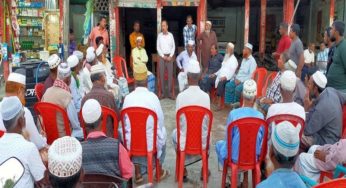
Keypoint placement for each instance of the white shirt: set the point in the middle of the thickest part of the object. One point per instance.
(291, 108)
(193, 95)
(85, 81)
(14, 145)
(165, 44)
(76, 95)
(35, 137)
(184, 58)
(309, 57)
(142, 97)
(228, 68)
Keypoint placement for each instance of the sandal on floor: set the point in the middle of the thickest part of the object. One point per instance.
(164, 175)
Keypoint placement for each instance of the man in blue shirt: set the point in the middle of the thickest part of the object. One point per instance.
(249, 97)
(282, 153)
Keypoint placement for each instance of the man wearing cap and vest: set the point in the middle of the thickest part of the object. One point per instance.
(282, 153)
(166, 48)
(133, 39)
(100, 93)
(139, 55)
(142, 97)
(98, 147)
(183, 62)
(13, 144)
(15, 86)
(75, 65)
(324, 119)
(249, 97)
(192, 96)
(247, 68)
(53, 62)
(204, 41)
(60, 94)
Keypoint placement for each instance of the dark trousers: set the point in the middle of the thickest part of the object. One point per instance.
(163, 66)
(208, 83)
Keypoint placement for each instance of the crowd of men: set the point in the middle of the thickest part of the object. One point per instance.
(87, 81)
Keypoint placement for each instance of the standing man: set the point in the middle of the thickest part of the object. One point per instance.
(296, 50)
(337, 72)
(284, 42)
(99, 30)
(189, 31)
(205, 40)
(182, 61)
(330, 45)
(322, 58)
(309, 60)
(166, 48)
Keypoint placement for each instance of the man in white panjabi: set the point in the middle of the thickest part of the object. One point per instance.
(183, 61)
(192, 96)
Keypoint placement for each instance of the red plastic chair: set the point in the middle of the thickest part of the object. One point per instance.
(194, 119)
(1, 133)
(259, 76)
(39, 88)
(166, 78)
(213, 96)
(295, 120)
(120, 64)
(106, 113)
(336, 183)
(248, 130)
(269, 80)
(138, 119)
(47, 113)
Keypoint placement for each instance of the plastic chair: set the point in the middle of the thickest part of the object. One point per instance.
(269, 80)
(166, 78)
(194, 119)
(106, 113)
(47, 113)
(213, 96)
(137, 117)
(337, 183)
(120, 64)
(39, 88)
(339, 172)
(247, 159)
(101, 180)
(259, 76)
(1, 133)
(295, 120)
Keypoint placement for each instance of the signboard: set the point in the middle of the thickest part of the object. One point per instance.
(138, 3)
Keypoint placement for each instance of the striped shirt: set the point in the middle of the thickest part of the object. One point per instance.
(189, 33)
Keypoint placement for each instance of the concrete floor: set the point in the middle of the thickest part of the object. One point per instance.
(217, 133)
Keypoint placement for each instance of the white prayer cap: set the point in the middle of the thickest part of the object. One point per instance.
(249, 89)
(320, 79)
(53, 61)
(99, 50)
(288, 80)
(193, 67)
(248, 45)
(139, 38)
(90, 57)
(191, 42)
(285, 138)
(90, 49)
(72, 61)
(64, 70)
(79, 54)
(290, 65)
(16, 77)
(10, 107)
(95, 69)
(91, 111)
(231, 45)
(209, 22)
(65, 157)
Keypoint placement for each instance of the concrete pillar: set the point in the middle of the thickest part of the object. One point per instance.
(331, 12)
(65, 24)
(112, 29)
(159, 15)
(288, 11)
(117, 30)
(246, 21)
(201, 15)
(262, 46)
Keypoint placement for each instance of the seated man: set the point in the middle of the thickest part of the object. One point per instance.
(288, 106)
(192, 96)
(15, 86)
(214, 64)
(249, 97)
(84, 73)
(247, 68)
(139, 55)
(98, 147)
(99, 93)
(13, 144)
(142, 97)
(321, 158)
(53, 62)
(60, 94)
(75, 66)
(282, 153)
(182, 61)
(324, 121)
(65, 163)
